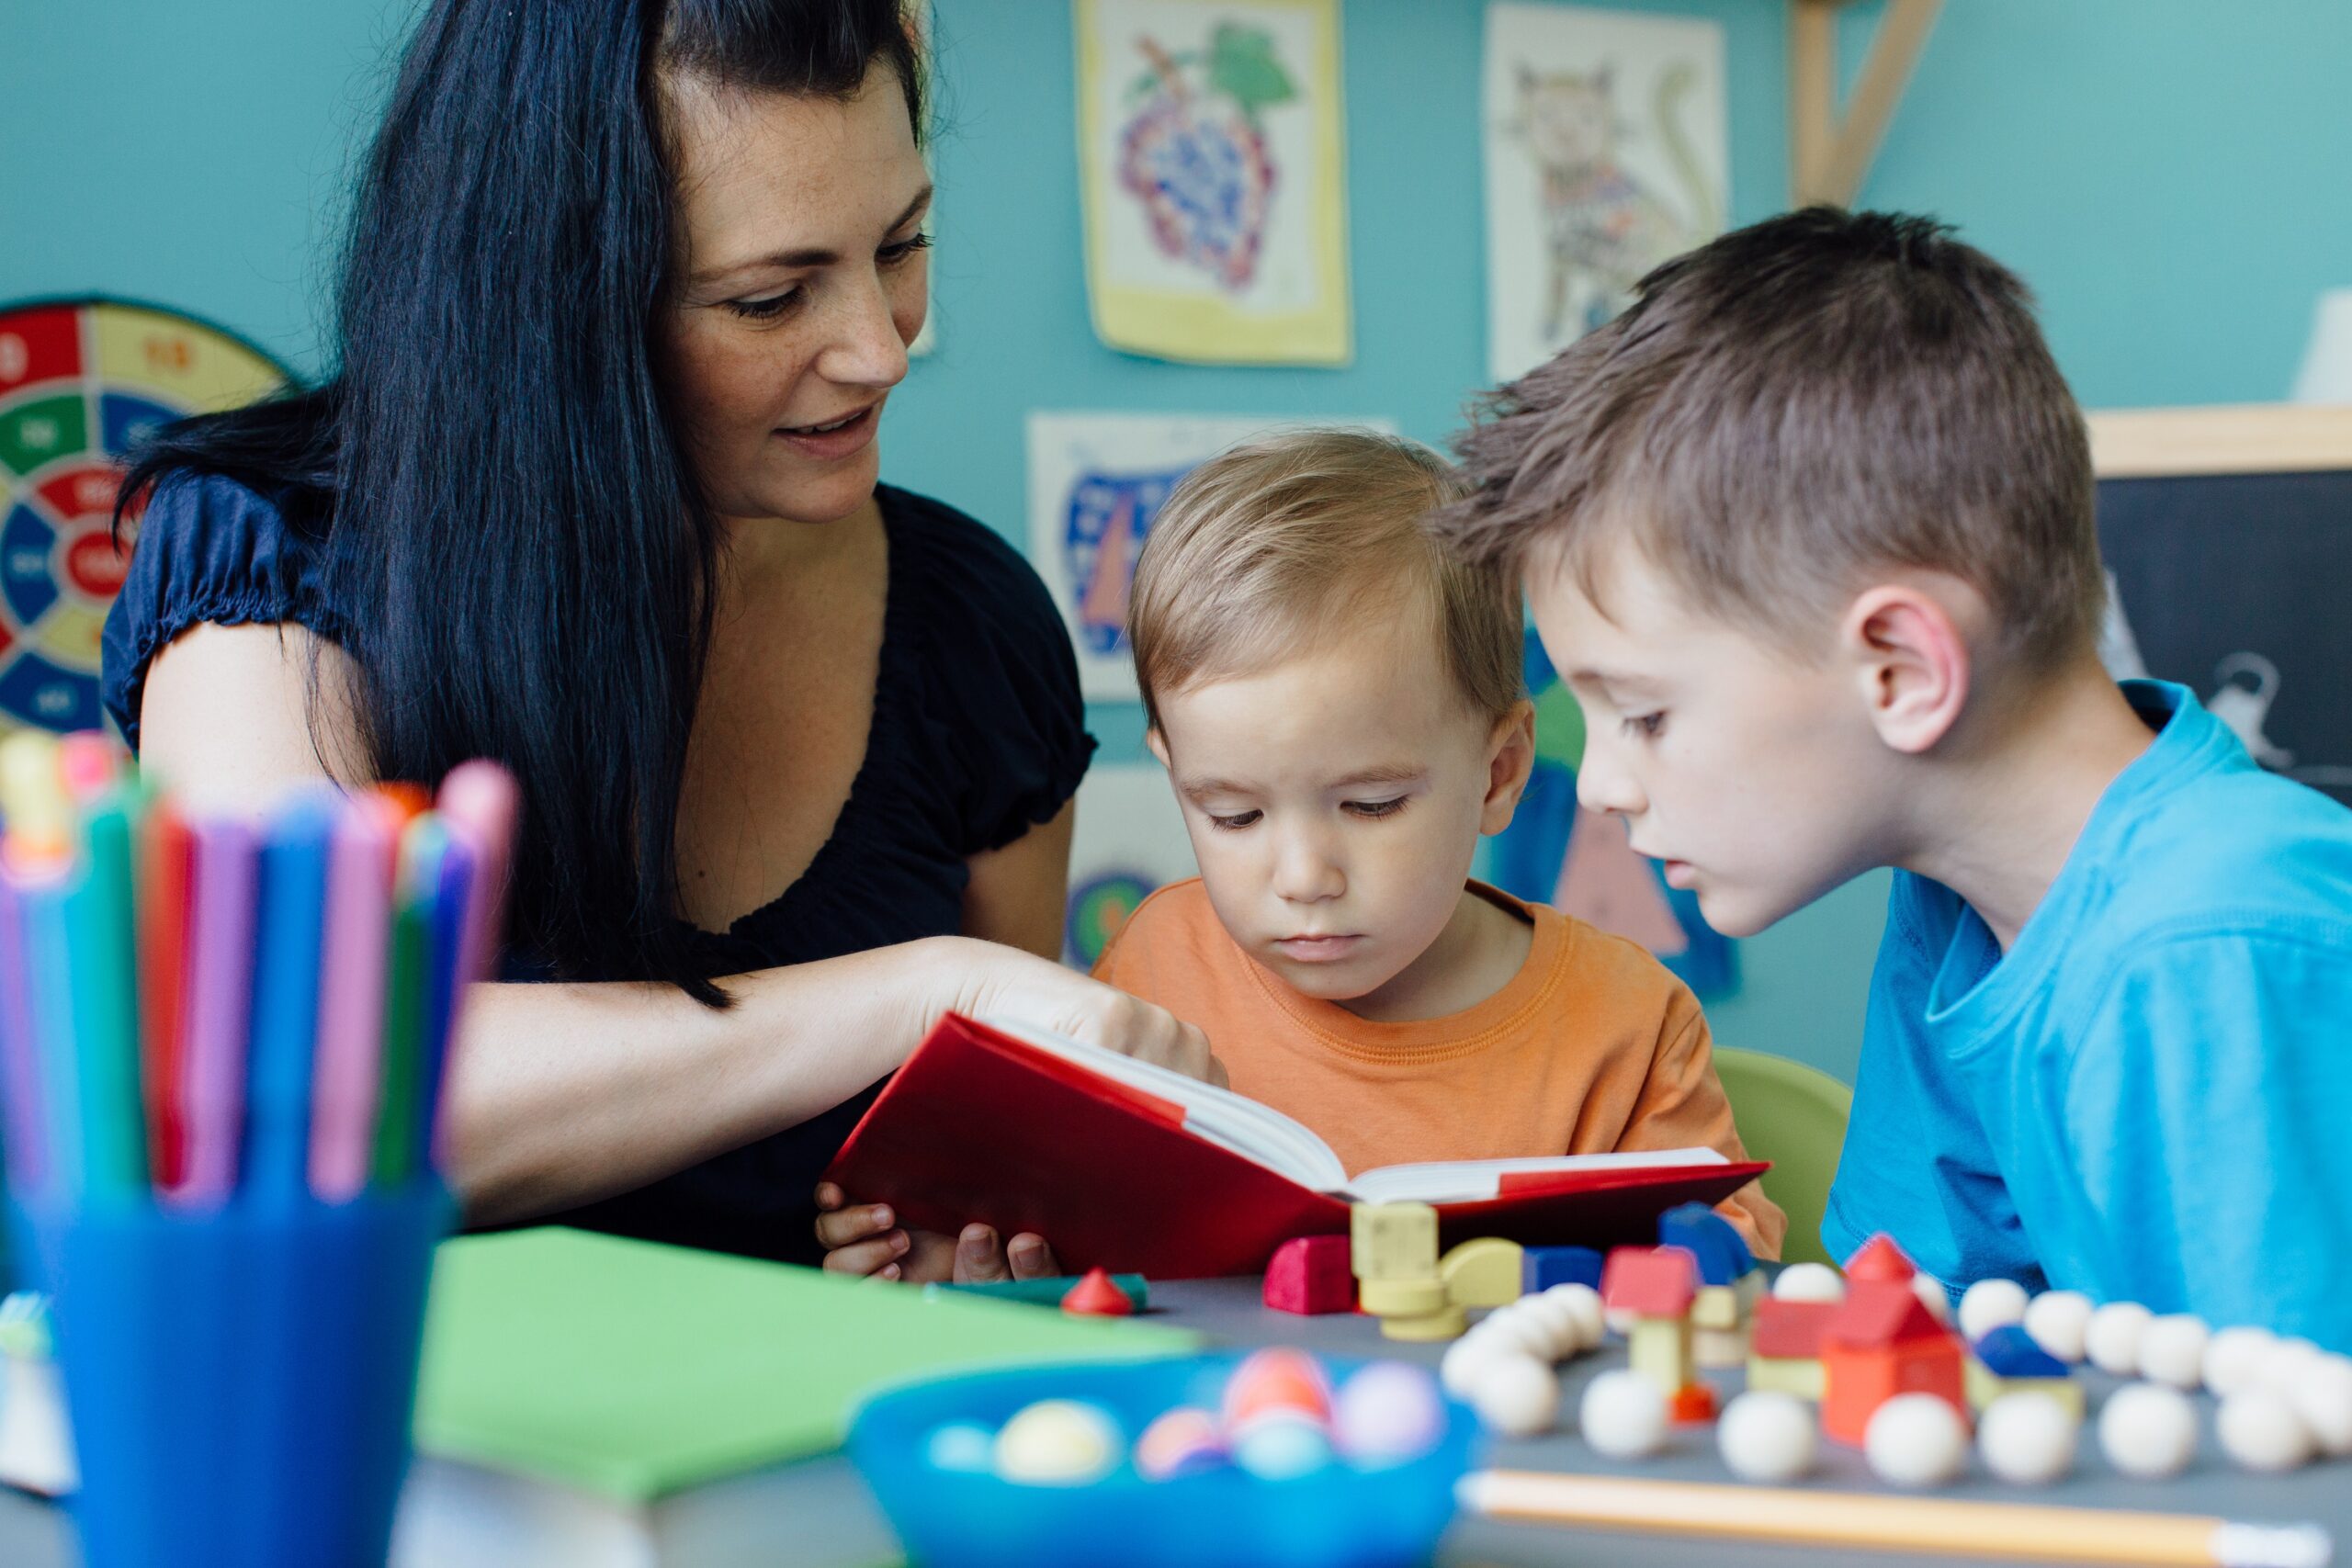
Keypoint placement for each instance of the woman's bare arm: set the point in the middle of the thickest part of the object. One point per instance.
(563, 1093)
(1018, 895)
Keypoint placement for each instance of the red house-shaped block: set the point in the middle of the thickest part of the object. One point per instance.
(1883, 1341)
(1650, 1281)
(1880, 1258)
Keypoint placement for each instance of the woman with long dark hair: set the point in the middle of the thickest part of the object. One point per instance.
(592, 489)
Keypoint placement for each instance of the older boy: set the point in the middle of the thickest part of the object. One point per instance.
(1809, 531)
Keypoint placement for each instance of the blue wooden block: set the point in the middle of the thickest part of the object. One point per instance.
(1723, 1256)
(2009, 1352)
(1541, 1267)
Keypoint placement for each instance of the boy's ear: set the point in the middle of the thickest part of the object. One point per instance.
(1510, 758)
(1909, 657)
(1157, 743)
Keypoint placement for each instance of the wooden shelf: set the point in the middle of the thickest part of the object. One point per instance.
(2241, 438)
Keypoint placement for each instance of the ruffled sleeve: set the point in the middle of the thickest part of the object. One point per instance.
(1000, 682)
(208, 550)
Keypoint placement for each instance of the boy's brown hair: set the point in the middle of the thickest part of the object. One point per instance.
(1263, 548)
(1795, 405)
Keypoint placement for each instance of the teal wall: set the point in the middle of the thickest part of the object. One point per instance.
(2169, 174)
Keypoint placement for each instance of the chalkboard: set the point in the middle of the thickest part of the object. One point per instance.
(2239, 584)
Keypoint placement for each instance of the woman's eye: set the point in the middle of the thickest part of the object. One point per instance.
(1239, 819)
(764, 310)
(1647, 724)
(900, 250)
(1377, 808)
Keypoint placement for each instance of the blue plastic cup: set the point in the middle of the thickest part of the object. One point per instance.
(240, 1382)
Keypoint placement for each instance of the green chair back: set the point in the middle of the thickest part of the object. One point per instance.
(1794, 1116)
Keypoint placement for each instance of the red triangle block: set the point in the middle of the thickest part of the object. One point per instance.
(1095, 1296)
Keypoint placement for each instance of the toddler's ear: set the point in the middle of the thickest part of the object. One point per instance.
(1157, 744)
(1510, 758)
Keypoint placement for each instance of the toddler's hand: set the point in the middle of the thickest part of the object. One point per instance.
(860, 1239)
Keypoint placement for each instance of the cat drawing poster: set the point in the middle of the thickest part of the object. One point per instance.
(1212, 178)
(1096, 481)
(1606, 152)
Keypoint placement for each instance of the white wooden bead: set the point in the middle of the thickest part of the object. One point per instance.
(1810, 1282)
(1990, 1304)
(2111, 1338)
(2172, 1349)
(2059, 1322)
(1517, 1395)
(1458, 1369)
(1624, 1415)
(2233, 1358)
(1768, 1437)
(1915, 1439)
(2260, 1430)
(2148, 1430)
(1932, 1295)
(2028, 1438)
(1583, 1303)
(2323, 1397)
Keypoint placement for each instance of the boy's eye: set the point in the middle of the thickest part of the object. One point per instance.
(1377, 808)
(765, 310)
(1647, 724)
(1237, 820)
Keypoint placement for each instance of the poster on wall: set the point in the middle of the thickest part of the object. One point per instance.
(1096, 481)
(81, 382)
(1213, 177)
(1607, 152)
(1129, 841)
(1581, 864)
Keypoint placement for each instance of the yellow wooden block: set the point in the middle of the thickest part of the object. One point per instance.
(1982, 1386)
(1787, 1374)
(1402, 1298)
(1446, 1323)
(1659, 1348)
(1719, 1348)
(1393, 1241)
(1717, 1306)
(1482, 1273)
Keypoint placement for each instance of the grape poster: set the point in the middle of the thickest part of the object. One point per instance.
(1213, 177)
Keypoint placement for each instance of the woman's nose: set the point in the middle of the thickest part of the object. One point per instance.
(867, 350)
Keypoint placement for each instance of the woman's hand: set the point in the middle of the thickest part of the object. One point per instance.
(860, 1239)
(980, 979)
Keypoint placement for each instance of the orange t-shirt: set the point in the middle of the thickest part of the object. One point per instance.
(1593, 1046)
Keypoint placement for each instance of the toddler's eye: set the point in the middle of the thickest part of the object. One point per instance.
(1648, 724)
(1377, 808)
(1237, 820)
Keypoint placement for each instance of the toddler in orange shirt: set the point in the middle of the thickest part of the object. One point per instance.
(1340, 701)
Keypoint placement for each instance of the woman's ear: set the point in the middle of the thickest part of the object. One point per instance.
(1510, 758)
(1906, 646)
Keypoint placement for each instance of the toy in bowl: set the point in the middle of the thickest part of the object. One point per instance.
(1277, 1460)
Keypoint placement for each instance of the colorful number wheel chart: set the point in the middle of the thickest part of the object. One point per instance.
(80, 382)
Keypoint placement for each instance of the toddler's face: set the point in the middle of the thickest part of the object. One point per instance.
(1334, 802)
(1749, 771)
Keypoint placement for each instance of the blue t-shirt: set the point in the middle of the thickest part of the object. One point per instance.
(2149, 1097)
(979, 732)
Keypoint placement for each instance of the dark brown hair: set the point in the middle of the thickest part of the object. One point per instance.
(1795, 405)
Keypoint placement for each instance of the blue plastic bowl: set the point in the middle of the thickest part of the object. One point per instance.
(1337, 1517)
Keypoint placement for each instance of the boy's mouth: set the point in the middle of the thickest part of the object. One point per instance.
(1677, 873)
(1317, 949)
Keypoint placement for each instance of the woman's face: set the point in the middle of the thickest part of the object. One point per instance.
(800, 285)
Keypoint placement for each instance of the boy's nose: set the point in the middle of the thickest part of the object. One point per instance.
(1604, 788)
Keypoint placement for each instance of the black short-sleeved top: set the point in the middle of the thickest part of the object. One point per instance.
(979, 733)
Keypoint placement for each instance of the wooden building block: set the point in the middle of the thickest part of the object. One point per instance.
(1485, 1272)
(1309, 1274)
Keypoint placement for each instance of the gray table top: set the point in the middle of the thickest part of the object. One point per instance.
(34, 1535)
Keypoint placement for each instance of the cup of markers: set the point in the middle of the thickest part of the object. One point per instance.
(223, 1042)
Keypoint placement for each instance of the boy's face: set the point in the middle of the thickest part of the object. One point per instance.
(1334, 801)
(1752, 771)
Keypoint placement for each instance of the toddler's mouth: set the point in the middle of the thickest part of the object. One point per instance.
(1317, 949)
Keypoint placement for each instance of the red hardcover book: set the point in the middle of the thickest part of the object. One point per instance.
(1131, 1167)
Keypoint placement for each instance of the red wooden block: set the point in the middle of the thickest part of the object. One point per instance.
(1692, 1404)
(1309, 1274)
(1095, 1296)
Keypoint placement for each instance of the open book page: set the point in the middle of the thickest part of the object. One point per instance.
(1255, 1131)
(1469, 1180)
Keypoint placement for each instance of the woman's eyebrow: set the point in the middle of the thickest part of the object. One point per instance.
(812, 256)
